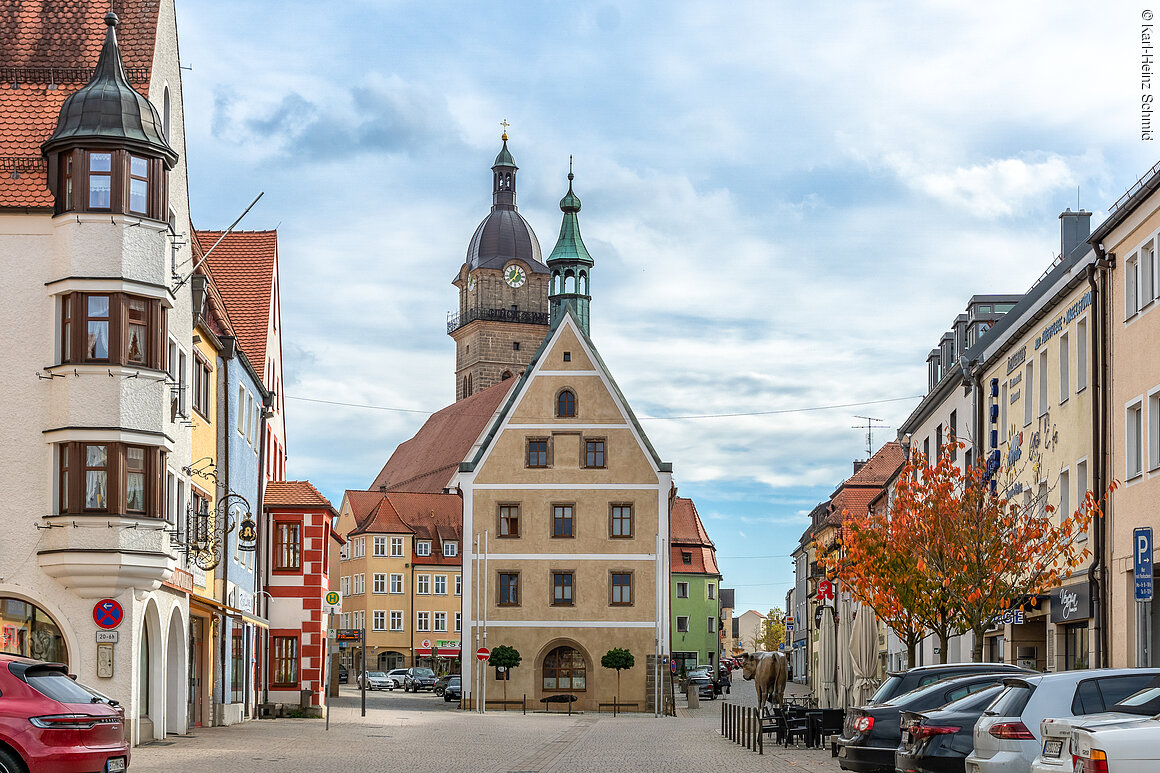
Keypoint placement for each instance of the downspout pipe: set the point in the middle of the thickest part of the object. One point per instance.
(260, 577)
(1096, 585)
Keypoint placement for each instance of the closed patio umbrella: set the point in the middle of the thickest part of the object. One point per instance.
(863, 655)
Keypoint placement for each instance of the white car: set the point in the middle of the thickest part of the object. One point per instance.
(1059, 733)
(376, 680)
(1130, 746)
(1007, 737)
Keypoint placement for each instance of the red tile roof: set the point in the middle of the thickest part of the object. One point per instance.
(687, 534)
(860, 489)
(243, 268)
(427, 516)
(426, 462)
(294, 493)
(49, 49)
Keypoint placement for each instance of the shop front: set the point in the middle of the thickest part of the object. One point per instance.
(1071, 611)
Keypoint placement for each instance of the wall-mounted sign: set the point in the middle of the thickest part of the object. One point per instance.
(1071, 604)
(1016, 359)
(108, 637)
(1142, 562)
(248, 535)
(1051, 329)
(107, 614)
(348, 634)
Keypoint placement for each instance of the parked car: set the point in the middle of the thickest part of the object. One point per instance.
(871, 734)
(49, 722)
(398, 675)
(452, 691)
(1007, 736)
(441, 683)
(1130, 746)
(899, 682)
(376, 680)
(418, 679)
(705, 687)
(699, 671)
(1058, 733)
(343, 675)
(939, 740)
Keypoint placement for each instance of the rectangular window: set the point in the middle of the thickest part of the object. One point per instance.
(1131, 286)
(241, 413)
(686, 557)
(396, 583)
(621, 588)
(938, 441)
(380, 582)
(1081, 358)
(561, 589)
(537, 453)
(450, 549)
(509, 520)
(458, 585)
(1003, 414)
(440, 585)
(359, 584)
(138, 185)
(440, 620)
(379, 620)
(682, 624)
(711, 624)
(380, 546)
(594, 453)
(954, 434)
(423, 585)
(620, 521)
(509, 589)
(1028, 385)
(97, 316)
(1064, 494)
(137, 345)
(1154, 430)
(358, 546)
(249, 418)
(712, 590)
(134, 479)
(100, 180)
(396, 619)
(1081, 484)
(423, 621)
(202, 381)
(96, 460)
(1147, 275)
(1064, 365)
(458, 622)
(682, 590)
(1133, 438)
(287, 546)
(182, 386)
(562, 521)
(396, 547)
(423, 548)
(1044, 392)
(284, 661)
(344, 585)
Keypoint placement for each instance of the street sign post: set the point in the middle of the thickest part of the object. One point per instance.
(108, 614)
(332, 603)
(483, 653)
(1142, 562)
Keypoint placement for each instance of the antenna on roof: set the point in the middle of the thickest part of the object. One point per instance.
(870, 427)
(229, 230)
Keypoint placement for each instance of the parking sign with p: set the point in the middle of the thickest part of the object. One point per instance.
(1142, 562)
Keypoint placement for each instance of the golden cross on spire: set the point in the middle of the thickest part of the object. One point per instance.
(504, 123)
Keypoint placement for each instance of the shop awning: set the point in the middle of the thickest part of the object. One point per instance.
(440, 652)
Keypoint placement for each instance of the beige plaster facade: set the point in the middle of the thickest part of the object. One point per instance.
(593, 621)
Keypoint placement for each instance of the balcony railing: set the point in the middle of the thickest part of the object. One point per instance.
(456, 321)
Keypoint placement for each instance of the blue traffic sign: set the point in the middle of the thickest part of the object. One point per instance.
(107, 614)
(1142, 562)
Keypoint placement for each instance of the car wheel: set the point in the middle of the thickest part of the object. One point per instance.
(10, 763)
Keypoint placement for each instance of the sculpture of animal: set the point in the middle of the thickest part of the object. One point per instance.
(768, 671)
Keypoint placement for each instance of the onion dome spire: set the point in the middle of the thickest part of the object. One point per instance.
(108, 111)
(570, 262)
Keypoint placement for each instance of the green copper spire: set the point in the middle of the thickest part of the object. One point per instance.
(570, 263)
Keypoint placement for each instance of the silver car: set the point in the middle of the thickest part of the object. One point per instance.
(1059, 733)
(376, 680)
(1007, 737)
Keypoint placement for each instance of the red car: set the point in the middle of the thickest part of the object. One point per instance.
(50, 723)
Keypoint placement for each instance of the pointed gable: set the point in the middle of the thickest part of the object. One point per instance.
(687, 534)
(244, 266)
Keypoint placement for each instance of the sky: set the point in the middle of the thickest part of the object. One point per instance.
(787, 203)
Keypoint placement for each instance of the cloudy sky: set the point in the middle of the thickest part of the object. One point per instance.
(788, 204)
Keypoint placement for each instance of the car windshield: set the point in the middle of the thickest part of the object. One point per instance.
(975, 701)
(377, 675)
(453, 680)
(1010, 702)
(1145, 702)
(888, 689)
(55, 685)
(424, 672)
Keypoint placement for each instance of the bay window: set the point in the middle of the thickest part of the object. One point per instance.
(112, 328)
(111, 478)
(111, 180)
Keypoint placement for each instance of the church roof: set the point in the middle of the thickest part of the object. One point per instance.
(427, 461)
(243, 267)
(504, 235)
(49, 51)
(108, 109)
(569, 246)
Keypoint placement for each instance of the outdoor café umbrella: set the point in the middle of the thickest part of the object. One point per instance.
(863, 655)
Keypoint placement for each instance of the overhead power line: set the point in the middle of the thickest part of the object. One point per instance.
(642, 418)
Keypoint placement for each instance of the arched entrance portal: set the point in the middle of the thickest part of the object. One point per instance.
(176, 680)
(390, 660)
(26, 629)
(564, 668)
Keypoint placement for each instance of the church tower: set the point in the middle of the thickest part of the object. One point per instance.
(503, 291)
(570, 263)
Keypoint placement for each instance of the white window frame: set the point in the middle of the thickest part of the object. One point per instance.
(1081, 486)
(1081, 355)
(1134, 439)
(682, 624)
(423, 547)
(359, 585)
(1064, 485)
(1154, 428)
(1131, 287)
(396, 547)
(379, 620)
(711, 589)
(1028, 386)
(440, 585)
(380, 583)
(458, 585)
(450, 549)
(1064, 367)
(423, 621)
(458, 622)
(423, 584)
(396, 619)
(682, 590)
(344, 585)
(711, 624)
(379, 547)
(397, 582)
(439, 622)
(1044, 386)
(241, 411)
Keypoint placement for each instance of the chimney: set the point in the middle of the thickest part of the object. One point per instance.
(859, 464)
(1075, 227)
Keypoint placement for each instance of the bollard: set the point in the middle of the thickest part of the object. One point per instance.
(733, 724)
(525, 704)
(748, 729)
(722, 717)
(760, 735)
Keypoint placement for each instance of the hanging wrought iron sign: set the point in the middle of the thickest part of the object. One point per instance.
(248, 535)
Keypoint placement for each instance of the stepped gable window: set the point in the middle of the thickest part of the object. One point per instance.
(112, 328)
(111, 478)
(566, 404)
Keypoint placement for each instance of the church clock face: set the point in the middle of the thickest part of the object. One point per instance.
(515, 276)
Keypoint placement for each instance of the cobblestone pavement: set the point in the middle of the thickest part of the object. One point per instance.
(421, 733)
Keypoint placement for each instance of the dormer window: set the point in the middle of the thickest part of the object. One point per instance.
(450, 549)
(423, 548)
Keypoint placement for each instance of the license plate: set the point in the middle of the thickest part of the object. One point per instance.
(972, 768)
(1052, 748)
(115, 765)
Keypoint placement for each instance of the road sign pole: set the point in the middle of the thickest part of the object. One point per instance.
(363, 637)
(329, 661)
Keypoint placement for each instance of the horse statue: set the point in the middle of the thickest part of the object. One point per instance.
(768, 671)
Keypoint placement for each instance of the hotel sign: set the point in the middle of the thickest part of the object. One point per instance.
(1071, 603)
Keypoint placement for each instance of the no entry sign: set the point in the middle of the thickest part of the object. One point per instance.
(107, 614)
(483, 653)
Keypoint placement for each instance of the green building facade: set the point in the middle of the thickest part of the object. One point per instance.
(695, 589)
